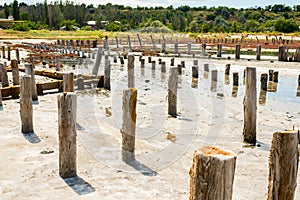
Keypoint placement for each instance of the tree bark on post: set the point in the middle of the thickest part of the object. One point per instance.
(264, 82)
(68, 82)
(130, 69)
(258, 51)
(4, 77)
(26, 104)
(227, 69)
(15, 72)
(282, 53)
(129, 124)
(30, 71)
(283, 165)
(98, 61)
(172, 91)
(212, 174)
(219, 53)
(250, 107)
(237, 51)
(67, 108)
(107, 73)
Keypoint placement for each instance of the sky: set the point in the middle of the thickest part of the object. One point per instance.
(175, 3)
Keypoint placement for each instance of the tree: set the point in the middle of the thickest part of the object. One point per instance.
(286, 26)
(113, 26)
(16, 11)
(68, 25)
(6, 10)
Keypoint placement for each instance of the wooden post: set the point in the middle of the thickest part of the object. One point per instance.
(227, 69)
(129, 124)
(235, 78)
(237, 51)
(258, 51)
(130, 68)
(122, 60)
(189, 46)
(129, 43)
(67, 108)
(275, 77)
(250, 107)
(179, 69)
(98, 61)
(4, 77)
(68, 82)
(271, 72)
(214, 75)
(163, 47)
(107, 73)
(283, 165)
(140, 41)
(8, 53)
(212, 174)
(0, 97)
(15, 72)
(297, 55)
(219, 53)
(176, 48)
(117, 42)
(142, 63)
(153, 65)
(264, 82)
(3, 51)
(195, 72)
(80, 83)
(57, 64)
(195, 62)
(203, 49)
(153, 44)
(172, 61)
(183, 64)
(163, 67)
(282, 53)
(26, 104)
(206, 67)
(18, 56)
(149, 59)
(30, 71)
(172, 91)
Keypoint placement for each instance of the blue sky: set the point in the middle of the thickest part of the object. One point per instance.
(176, 3)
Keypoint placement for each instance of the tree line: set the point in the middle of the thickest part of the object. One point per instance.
(57, 14)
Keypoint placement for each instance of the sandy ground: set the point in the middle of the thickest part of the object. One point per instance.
(164, 145)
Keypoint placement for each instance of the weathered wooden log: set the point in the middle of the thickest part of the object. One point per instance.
(250, 107)
(176, 48)
(282, 53)
(179, 69)
(3, 52)
(97, 62)
(172, 91)
(262, 97)
(163, 67)
(172, 62)
(271, 72)
(57, 63)
(212, 174)
(189, 47)
(142, 63)
(297, 55)
(195, 62)
(68, 82)
(153, 65)
(39, 88)
(283, 165)
(237, 51)
(195, 72)
(275, 77)
(203, 49)
(234, 91)
(219, 52)
(15, 72)
(4, 77)
(107, 73)
(129, 124)
(67, 108)
(130, 68)
(214, 75)
(117, 42)
(8, 53)
(26, 112)
(149, 59)
(235, 78)
(206, 67)
(15, 91)
(30, 71)
(18, 55)
(264, 82)
(183, 64)
(129, 43)
(227, 69)
(258, 52)
(122, 60)
(140, 40)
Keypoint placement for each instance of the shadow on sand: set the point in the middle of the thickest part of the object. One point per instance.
(80, 186)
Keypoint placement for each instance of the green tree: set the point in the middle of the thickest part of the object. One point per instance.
(6, 10)
(113, 26)
(68, 24)
(16, 11)
(286, 26)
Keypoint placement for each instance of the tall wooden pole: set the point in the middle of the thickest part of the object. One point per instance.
(130, 68)
(15, 72)
(4, 77)
(237, 51)
(250, 107)
(107, 73)
(30, 71)
(98, 61)
(67, 108)
(212, 174)
(68, 82)
(172, 91)
(18, 56)
(283, 166)
(26, 104)
(258, 52)
(129, 124)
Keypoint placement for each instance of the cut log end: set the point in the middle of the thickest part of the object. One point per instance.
(214, 151)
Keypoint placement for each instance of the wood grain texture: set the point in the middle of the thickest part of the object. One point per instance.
(172, 91)
(26, 112)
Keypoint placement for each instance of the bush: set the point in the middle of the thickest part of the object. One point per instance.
(286, 26)
(113, 26)
(27, 26)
